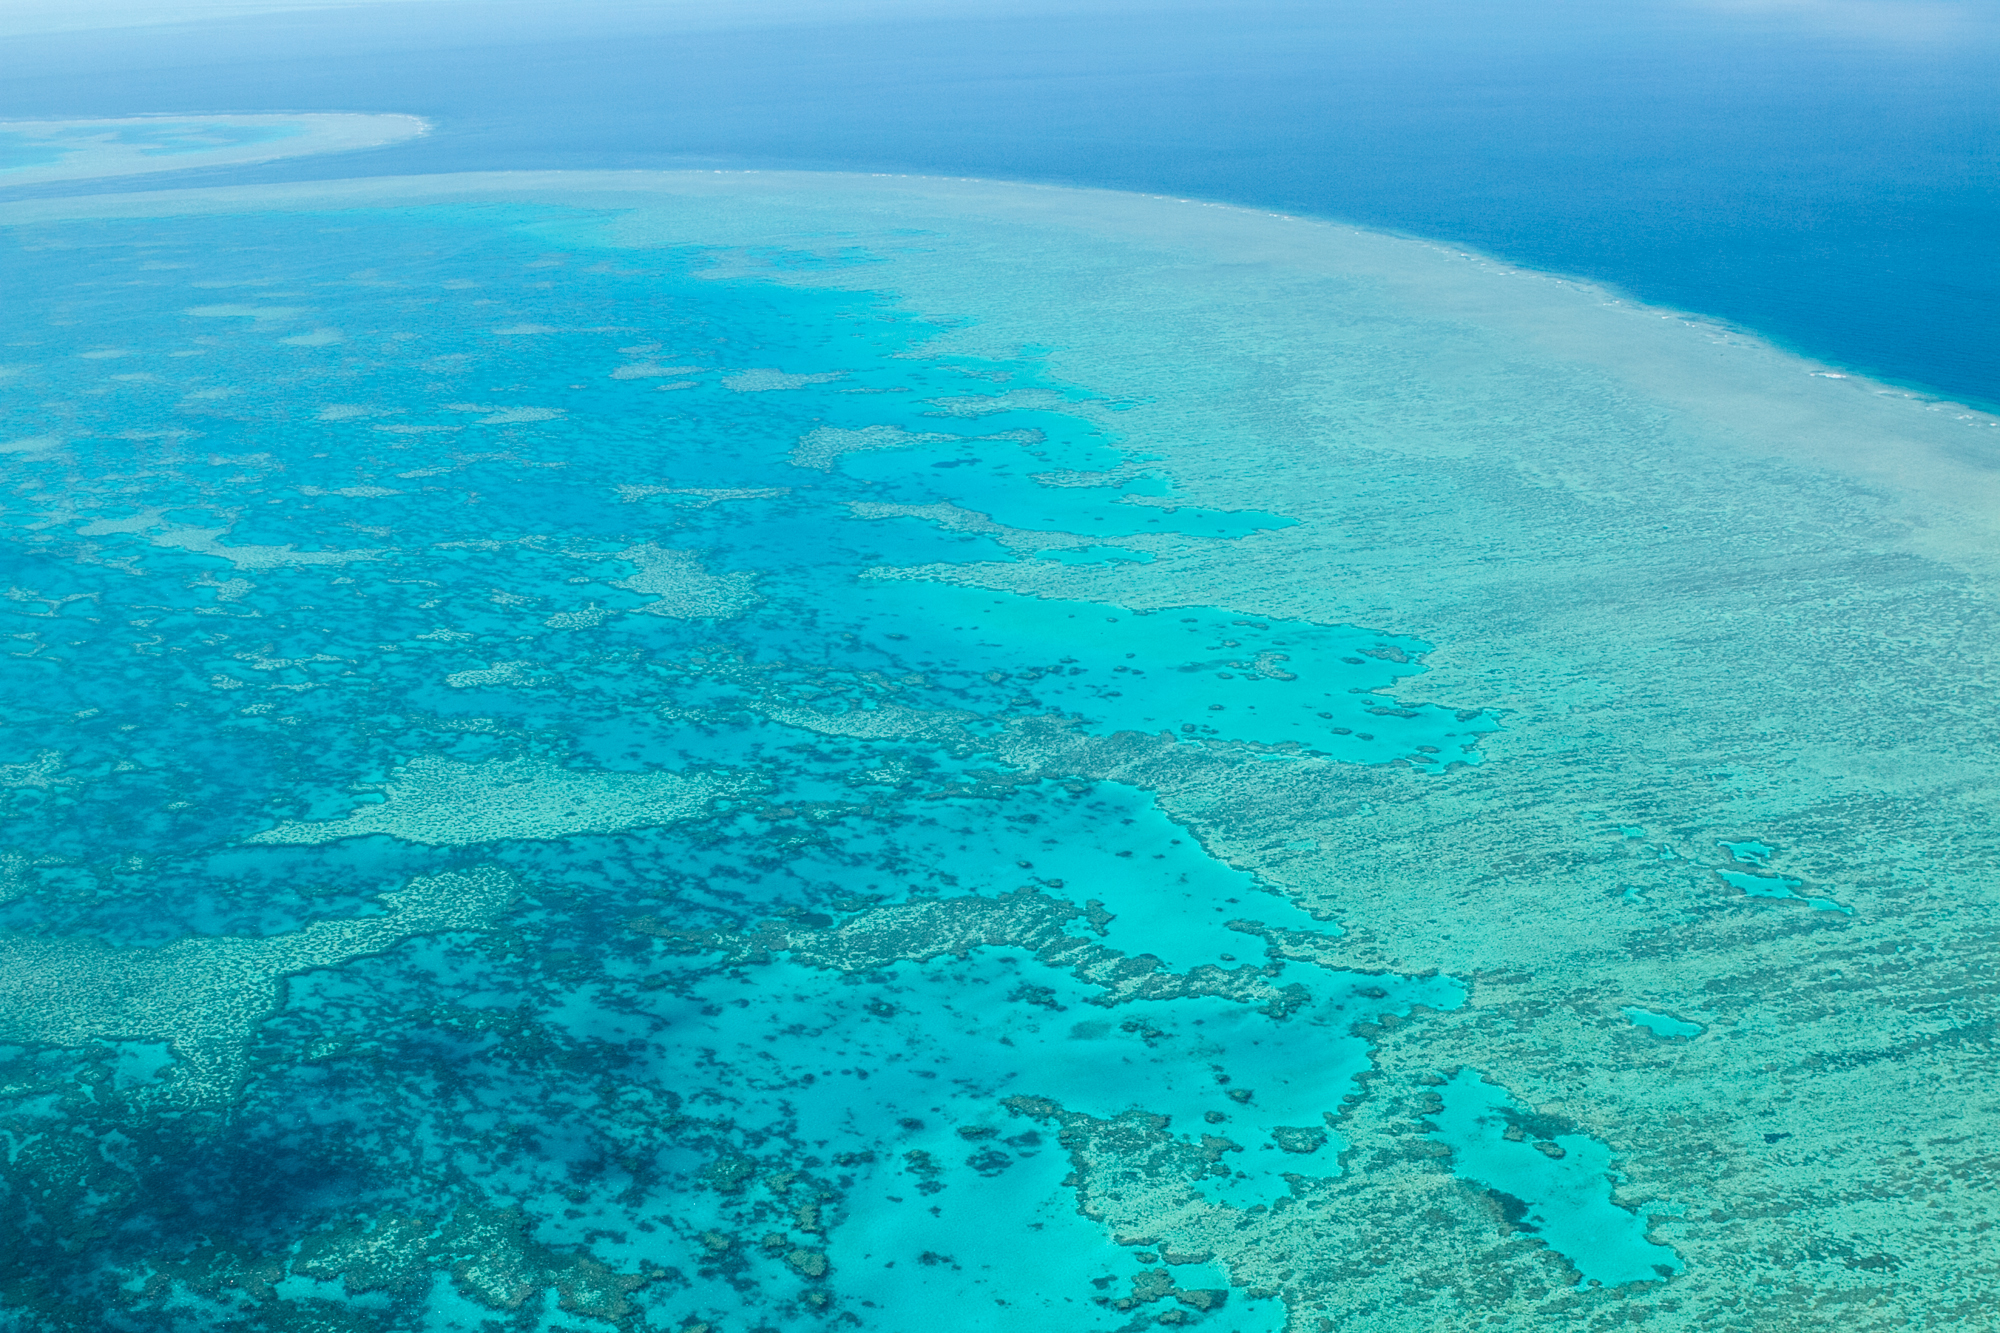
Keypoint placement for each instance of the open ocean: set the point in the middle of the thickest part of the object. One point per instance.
(1821, 173)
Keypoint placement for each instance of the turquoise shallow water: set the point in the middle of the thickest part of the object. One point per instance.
(19, 150)
(578, 756)
(398, 560)
(40, 149)
(1550, 1183)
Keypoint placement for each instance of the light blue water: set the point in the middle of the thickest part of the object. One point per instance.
(1551, 1185)
(164, 138)
(1750, 853)
(167, 138)
(1777, 886)
(1820, 173)
(295, 503)
(18, 150)
(330, 572)
(1662, 1025)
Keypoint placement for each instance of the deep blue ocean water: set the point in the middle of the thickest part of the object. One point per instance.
(1827, 175)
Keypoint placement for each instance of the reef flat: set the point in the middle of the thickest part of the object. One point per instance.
(40, 152)
(768, 751)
